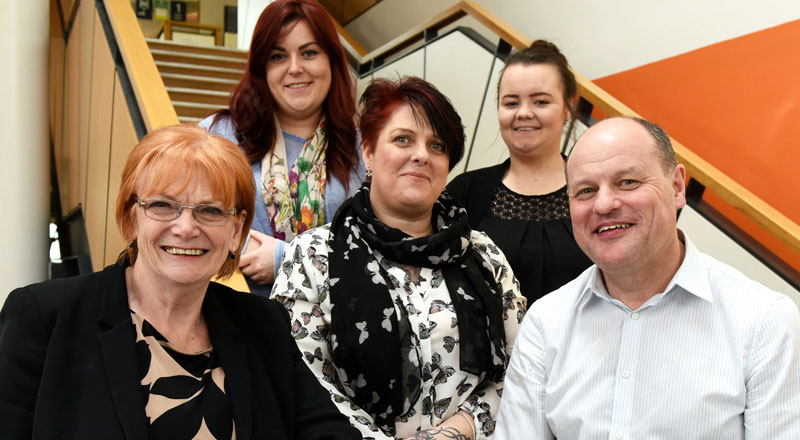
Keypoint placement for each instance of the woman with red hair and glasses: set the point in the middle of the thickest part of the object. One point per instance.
(150, 347)
(293, 115)
(405, 314)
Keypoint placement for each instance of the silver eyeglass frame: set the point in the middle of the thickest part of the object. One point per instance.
(142, 202)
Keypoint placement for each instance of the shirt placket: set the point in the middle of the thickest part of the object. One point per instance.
(625, 376)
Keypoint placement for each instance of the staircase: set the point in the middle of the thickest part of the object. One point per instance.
(199, 79)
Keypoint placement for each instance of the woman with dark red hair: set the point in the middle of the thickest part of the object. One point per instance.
(293, 115)
(405, 314)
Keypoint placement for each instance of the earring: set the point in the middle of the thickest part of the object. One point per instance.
(368, 174)
(233, 253)
(130, 245)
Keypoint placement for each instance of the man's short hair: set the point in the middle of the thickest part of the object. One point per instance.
(663, 144)
(661, 138)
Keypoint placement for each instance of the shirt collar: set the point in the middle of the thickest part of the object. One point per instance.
(691, 276)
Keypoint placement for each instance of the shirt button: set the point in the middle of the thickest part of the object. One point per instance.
(626, 374)
(635, 315)
(619, 434)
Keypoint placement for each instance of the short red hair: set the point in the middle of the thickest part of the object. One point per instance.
(428, 105)
(191, 149)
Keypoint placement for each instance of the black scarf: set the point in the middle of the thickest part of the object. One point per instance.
(373, 347)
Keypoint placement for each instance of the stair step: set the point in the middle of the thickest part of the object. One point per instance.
(198, 82)
(189, 119)
(197, 49)
(198, 96)
(192, 69)
(194, 109)
(198, 59)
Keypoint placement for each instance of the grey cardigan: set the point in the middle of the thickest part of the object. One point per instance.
(335, 193)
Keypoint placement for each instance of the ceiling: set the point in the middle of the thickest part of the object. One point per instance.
(346, 10)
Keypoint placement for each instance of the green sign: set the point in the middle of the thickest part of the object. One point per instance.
(161, 9)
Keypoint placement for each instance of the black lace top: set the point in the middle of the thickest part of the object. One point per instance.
(508, 205)
(534, 232)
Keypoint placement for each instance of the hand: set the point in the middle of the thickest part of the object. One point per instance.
(439, 433)
(258, 260)
(452, 428)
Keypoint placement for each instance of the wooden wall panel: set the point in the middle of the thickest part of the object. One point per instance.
(151, 96)
(352, 8)
(68, 8)
(56, 78)
(95, 206)
(67, 163)
(87, 14)
(345, 10)
(123, 139)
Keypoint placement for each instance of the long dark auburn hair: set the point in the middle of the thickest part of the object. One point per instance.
(252, 108)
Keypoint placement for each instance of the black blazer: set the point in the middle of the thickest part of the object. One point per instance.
(68, 365)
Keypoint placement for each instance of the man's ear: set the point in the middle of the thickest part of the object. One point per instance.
(679, 185)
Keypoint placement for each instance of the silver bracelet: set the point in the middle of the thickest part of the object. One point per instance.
(469, 421)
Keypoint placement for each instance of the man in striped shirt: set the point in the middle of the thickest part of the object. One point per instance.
(656, 340)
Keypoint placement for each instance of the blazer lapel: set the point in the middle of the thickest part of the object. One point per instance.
(118, 347)
(233, 356)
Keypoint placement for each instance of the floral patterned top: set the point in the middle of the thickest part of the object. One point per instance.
(184, 393)
(303, 284)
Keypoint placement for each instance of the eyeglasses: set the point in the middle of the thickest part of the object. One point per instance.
(167, 210)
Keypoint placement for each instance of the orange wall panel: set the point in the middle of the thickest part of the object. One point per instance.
(737, 105)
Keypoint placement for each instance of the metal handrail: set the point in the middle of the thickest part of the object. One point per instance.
(733, 193)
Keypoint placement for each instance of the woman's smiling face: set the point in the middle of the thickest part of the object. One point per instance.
(410, 165)
(531, 110)
(298, 74)
(183, 251)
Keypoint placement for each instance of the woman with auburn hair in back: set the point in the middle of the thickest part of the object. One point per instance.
(293, 115)
(150, 347)
(522, 203)
(405, 314)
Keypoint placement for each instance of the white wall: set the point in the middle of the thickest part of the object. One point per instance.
(24, 177)
(598, 37)
(248, 12)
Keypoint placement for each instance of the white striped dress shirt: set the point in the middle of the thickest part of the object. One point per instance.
(714, 356)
